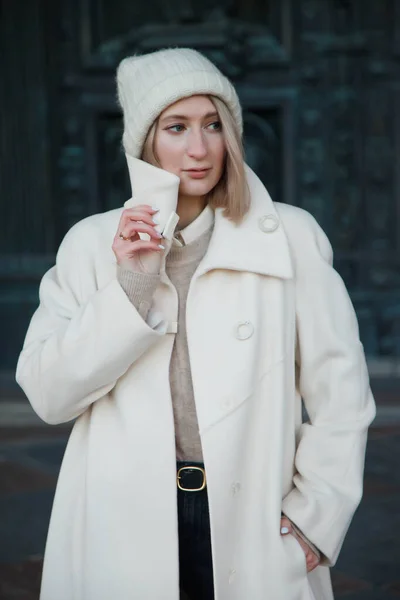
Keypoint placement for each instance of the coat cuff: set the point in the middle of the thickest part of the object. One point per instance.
(306, 540)
(307, 533)
(139, 287)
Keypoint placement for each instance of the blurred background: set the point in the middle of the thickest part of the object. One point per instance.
(319, 82)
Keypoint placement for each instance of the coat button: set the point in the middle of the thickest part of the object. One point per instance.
(244, 330)
(268, 223)
(236, 487)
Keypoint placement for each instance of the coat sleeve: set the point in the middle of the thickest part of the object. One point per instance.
(81, 339)
(333, 382)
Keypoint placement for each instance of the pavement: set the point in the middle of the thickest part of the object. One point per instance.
(30, 457)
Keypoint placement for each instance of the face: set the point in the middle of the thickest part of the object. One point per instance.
(189, 143)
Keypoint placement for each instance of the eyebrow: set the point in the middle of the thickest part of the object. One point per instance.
(185, 117)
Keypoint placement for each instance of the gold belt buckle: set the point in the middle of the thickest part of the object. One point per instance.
(178, 477)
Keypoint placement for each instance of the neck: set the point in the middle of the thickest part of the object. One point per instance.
(189, 208)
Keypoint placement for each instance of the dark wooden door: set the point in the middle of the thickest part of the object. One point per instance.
(319, 83)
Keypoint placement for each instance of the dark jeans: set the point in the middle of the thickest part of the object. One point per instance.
(195, 562)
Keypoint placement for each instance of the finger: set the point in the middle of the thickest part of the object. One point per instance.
(312, 561)
(141, 209)
(133, 228)
(142, 245)
(312, 566)
(132, 214)
(285, 530)
(304, 546)
(137, 216)
(286, 526)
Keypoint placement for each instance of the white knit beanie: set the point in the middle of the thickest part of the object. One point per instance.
(149, 83)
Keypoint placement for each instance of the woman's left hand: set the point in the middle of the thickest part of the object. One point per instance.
(312, 559)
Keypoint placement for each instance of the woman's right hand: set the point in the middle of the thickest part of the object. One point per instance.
(133, 253)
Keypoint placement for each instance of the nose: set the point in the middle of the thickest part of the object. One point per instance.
(196, 145)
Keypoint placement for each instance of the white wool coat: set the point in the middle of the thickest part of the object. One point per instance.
(269, 322)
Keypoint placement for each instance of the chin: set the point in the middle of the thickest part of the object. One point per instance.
(196, 188)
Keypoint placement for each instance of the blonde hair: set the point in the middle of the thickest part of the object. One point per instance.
(231, 192)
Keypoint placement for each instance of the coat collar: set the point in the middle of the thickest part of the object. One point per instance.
(258, 244)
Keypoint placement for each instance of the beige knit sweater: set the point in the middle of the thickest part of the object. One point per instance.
(181, 263)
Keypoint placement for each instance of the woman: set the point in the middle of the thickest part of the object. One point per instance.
(191, 346)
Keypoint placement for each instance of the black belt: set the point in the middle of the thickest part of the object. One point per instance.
(190, 477)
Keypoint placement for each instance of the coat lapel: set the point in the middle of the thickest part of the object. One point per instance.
(258, 244)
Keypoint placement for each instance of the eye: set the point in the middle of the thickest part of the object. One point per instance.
(215, 126)
(176, 128)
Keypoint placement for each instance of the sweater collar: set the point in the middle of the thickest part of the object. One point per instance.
(195, 229)
(258, 244)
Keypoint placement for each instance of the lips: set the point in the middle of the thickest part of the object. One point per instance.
(197, 173)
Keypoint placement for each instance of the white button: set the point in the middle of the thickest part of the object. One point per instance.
(236, 487)
(268, 223)
(232, 573)
(244, 330)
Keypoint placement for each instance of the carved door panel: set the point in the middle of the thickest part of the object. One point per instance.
(347, 153)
